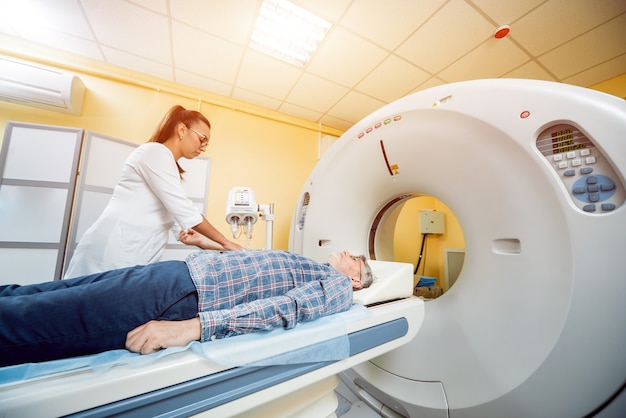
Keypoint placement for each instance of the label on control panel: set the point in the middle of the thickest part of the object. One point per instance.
(586, 173)
(242, 197)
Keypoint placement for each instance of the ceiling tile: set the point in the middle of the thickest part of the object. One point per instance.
(506, 12)
(584, 52)
(6, 28)
(267, 75)
(392, 79)
(60, 15)
(354, 106)
(539, 31)
(65, 42)
(194, 80)
(58, 24)
(431, 82)
(345, 58)
(159, 6)
(492, 59)
(133, 62)
(330, 10)
(255, 98)
(299, 112)
(203, 44)
(389, 23)
(600, 73)
(136, 30)
(207, 55)
(452, 32)
(315, 93)
(530, 70)
(336, 122)
(229, 20)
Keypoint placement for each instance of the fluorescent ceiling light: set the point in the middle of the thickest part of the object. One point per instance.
(288, 32)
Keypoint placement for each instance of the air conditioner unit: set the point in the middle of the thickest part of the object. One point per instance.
(43, 87)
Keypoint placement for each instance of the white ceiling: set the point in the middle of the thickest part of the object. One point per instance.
(376, 51)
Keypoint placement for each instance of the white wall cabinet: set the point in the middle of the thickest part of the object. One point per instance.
(38, 166)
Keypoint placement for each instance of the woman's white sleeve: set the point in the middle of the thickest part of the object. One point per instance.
(158, 169)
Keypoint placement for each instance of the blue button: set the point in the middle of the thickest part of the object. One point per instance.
(603, 188)
(589, 208)
(579, 190)
(608, 206)
(569, 173)
(586, 170)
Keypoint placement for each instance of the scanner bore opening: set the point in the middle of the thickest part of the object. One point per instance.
(398, 233)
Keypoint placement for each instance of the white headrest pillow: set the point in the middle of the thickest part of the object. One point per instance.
(392, 280)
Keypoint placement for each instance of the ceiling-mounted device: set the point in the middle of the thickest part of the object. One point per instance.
(35, 85)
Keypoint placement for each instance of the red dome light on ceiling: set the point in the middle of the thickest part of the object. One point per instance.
(501, 32)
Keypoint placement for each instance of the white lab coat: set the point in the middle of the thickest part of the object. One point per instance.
(134, 227)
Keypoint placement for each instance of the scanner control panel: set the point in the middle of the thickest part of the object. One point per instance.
(586, 173)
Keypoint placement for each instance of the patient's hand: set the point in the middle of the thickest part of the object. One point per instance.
(155, 335)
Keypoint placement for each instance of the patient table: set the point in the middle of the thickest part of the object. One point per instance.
(227, 377)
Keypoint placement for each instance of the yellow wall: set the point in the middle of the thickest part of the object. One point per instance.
(615, 86)
(267, 151)
(408, 239)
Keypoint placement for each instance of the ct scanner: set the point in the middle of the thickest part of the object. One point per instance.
(535, 173)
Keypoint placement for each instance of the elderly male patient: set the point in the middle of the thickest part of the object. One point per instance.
(210, 295)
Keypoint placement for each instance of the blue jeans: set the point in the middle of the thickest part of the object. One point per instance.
(90, 314)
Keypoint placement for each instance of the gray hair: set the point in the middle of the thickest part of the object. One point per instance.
(367, 277)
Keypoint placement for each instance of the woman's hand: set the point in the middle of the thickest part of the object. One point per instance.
(193, 237)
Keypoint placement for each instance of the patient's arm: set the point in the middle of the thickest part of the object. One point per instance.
(155, 335)
(305, 302)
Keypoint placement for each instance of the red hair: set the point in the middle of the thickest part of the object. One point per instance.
(177, 114)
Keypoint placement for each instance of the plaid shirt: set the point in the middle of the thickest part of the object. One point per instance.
(246, 291)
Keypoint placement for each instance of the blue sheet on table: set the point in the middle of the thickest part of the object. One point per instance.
(321, 340)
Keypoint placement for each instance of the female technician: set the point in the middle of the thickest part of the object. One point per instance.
(148, 201)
